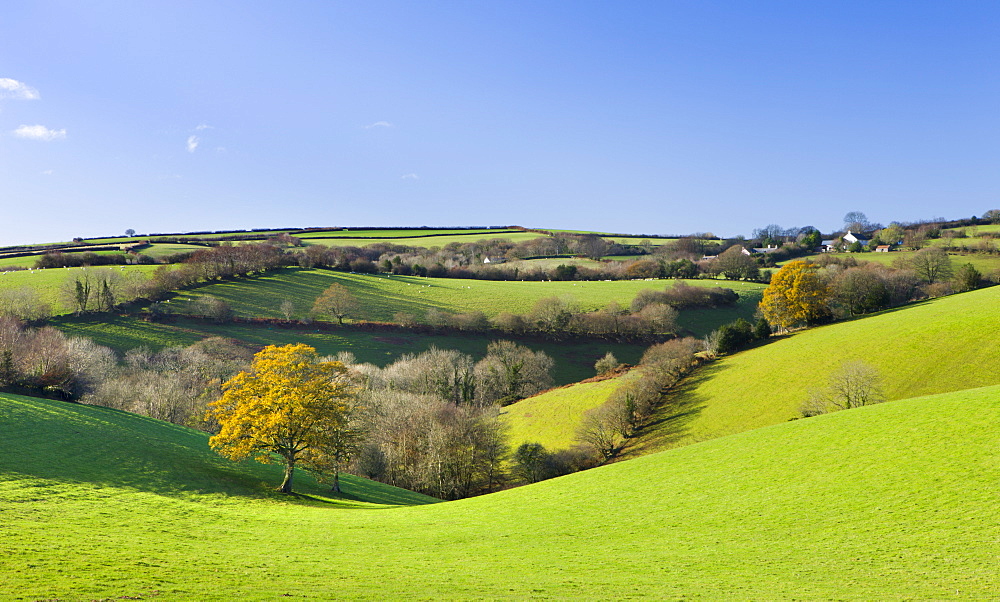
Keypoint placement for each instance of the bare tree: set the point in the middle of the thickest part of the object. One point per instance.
(856, 221)
(854, 385)
(931, 265)
(287, 309)
(606, 429)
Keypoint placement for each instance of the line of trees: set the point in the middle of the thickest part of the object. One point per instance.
(608, 429)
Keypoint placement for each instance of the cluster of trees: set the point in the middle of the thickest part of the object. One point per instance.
(804, 293)
(44, 361)
(427, 422)
(738, 334)
(174, 384)
(102, 289)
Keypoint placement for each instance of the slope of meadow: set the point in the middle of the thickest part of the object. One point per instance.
(382, 296)
(886, 502)
(945, 344)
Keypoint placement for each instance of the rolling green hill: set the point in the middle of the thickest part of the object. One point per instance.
(945, 344)
(896, 501)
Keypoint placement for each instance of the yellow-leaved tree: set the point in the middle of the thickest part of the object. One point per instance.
(289, 404)
(797, 295)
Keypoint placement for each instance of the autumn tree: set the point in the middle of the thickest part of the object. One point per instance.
(287, 404)
(336, 301)
(796, 295)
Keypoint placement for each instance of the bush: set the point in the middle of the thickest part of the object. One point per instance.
(606, 364)
(734, 336)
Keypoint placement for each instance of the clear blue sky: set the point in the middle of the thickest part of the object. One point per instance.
(644, 117)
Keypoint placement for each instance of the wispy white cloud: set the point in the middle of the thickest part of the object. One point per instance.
(378, 124)
(11, 88)
(204, 126)
(39, 132)
(411, 176)
(192, 143)
(47, 172)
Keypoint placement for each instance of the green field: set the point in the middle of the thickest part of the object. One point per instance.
(982, 229)
(382, 296)
(22, 262)
(573, 362)
(420, 241)
(553, 417)
(945, 344)
(896, 501)
(386, 233)
(161, 249)
(49, 282)
(550, 263)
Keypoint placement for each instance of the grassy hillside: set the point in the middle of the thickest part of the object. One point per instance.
(946, 344)
(573, 362)
(552, 418)
(382, 296)
(887, 502)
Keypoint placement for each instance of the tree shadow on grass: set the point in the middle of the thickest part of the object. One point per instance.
(99, 448)
(670, 425)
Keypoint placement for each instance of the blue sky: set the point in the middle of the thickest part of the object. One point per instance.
(645, 117)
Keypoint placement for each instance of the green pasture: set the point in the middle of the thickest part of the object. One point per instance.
(623, 257)
(382, 296)
(22, 262)
(403, 233)
(49, 282)
(573, 361)
(945, 344)
(162, 249)
(420, 241)
(553, 417)
(973, 230)
(984, 263)
(550, 263)
(896, 501)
